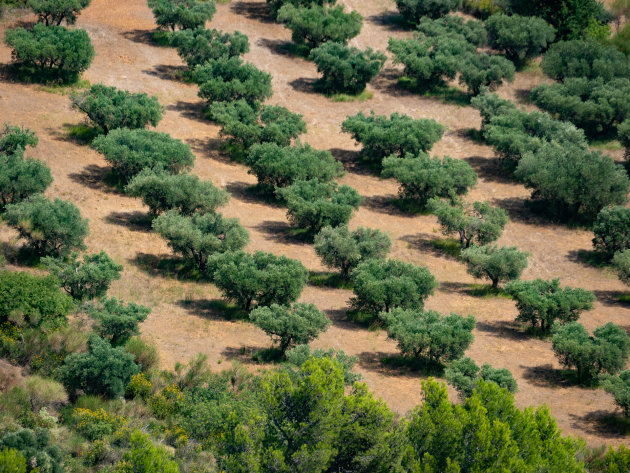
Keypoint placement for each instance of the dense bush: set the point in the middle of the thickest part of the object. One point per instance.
(32, 301)
(619, 387)
(397, 135)
(313, 205)
(53, 12)
(130, 151)
(573, 183)
(594, 105)
(483, 8)
(228, 79)
(88, 279)
(247, 124)
(479, 223)
(145, 457)
(413, 10)
(490, 106)
(21, 178)
(342, 249)
(109, 108)
(428, 335)
(118, 322)
(102, 371)
(623, 134)
(422, 178)
(12, 460)
(382, 285)
(478, 71)
(302, 353)
(465, 375)
(199, 236)
(260, 278)
(35, 447)
(201, 44)
(612, 230)
(604, 352)
(275, 5)
(312, 26)
(12, 138)
(290, 326)
(184, 14)
(277, 166)
(499, 264)
(519, 37)
(345, 69)
(542, 303)
(162, 191)
(50, 52)
(588, 59)
(621, 263)
(50, 227)
(472, 31)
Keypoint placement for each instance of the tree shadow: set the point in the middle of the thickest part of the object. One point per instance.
(489, 169)
(589, 258)
(339, 319)
(191, 110)
(282, 232)
(179, 74)
(96, 177)
(386, 204)
(140, 36)
(518, 211)
(210, 148)
(393, 21)
(251, 194)
(23, 256)
(612, 298)
(136, 221)
(352, 162)
(602, 423)
(305, 85)
(214, 309)
(545, 376)
(393, 364)
(166, 266)
(245, 354)
(523, 96)
(502, 329)
(388, 82)
(427, 243)
(253, 11)
(280, 47)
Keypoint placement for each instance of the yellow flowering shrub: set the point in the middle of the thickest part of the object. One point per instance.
(96, 424)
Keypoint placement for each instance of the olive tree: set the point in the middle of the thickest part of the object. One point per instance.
(479, 223)
(428, 335)
(519, 37)
(200, 236)
(621, 263)
(259, 279)
(290, 326)
(343, 249)
(623, 134)
(383, 136)
(422, 178)
(50, 227)
(606, 351)
(490, 106)
(130, 151)
(382, 285)
(87, 279)
(197, 46)
(612, 230)
(497, 263)
(117, 321)
(186, 193)
(12, 138)
(21, 178)
(542, 303)
(53, 12)
(275, 5)
(464, 375)
(345, 69)
(313, 205)
(50, 52)
(413, 10)
(479, 71)
(183, 14)
(472, 31)
(110, 108)
(619, 387)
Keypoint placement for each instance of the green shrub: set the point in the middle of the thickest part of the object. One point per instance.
(197, 46)
(55, 11)
(118, 322)
(465, 375)
(490, 106)
(12, 138)
(275, 5)
(472, 31)
(34, 445)
(413, 10)
(183, 14)
(300, 354)
(519, 37)
(621, 263)
(145, 353)
(12, 461)
(619, 387)
(144, 457)
(482, 8)
(479, 71)
(21, 178)
(623, 134)
(612, 230)
(496, 263)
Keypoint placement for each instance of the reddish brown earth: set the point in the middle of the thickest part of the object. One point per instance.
(183, 323)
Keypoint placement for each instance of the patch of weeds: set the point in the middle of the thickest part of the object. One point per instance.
(268, 355)
(65, 89)
(329, 280)
(445, 93)
(612, 144)
(624, 298)
(264, 193)
(161, 38)
(486, 291)
(83, 134)
(531, 67)
(236, 152)
(302, 234)
(361, 97)
(411, 207)
(449, 246)
(367, 319)
(475, 135)
(427, 368)
(227, 310)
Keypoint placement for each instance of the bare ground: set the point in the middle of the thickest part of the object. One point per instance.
(185, 322)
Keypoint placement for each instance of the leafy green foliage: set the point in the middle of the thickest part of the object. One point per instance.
(465, 375)
(382, 285)
(543, 303)
(573, 183)
(290, 326)
(300, 354)
(623, 134)
(589, 59)
(422, 178)
(497, 263)
(621, 263)
(21, 177)
(482, 9)
(34, 446)
(109, 108)
(12, 461)
(228, 79)
(414, 10)
(490, 106)
(478, 224)
(88, 279)
(50, 52)
(130, 151)
(50, 227)
(183, 14)
(397, 135)
(32, 301)
(346, 69)
(619, 387)
(103, 370)
(260, 278)
(342, 249)
(53, 12)
(595, 105)
(280, 166)
(612, 230)
(247, 125)
(313, 205)
(196, 46)
(144, 457)
(118, 322)
(199, 236)
(275, 5)
(472, 31)
(161, 192)
(428, 335)
(312, 26)
(604, 352)
(482, 70)
(12, 138)
(519, 37)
